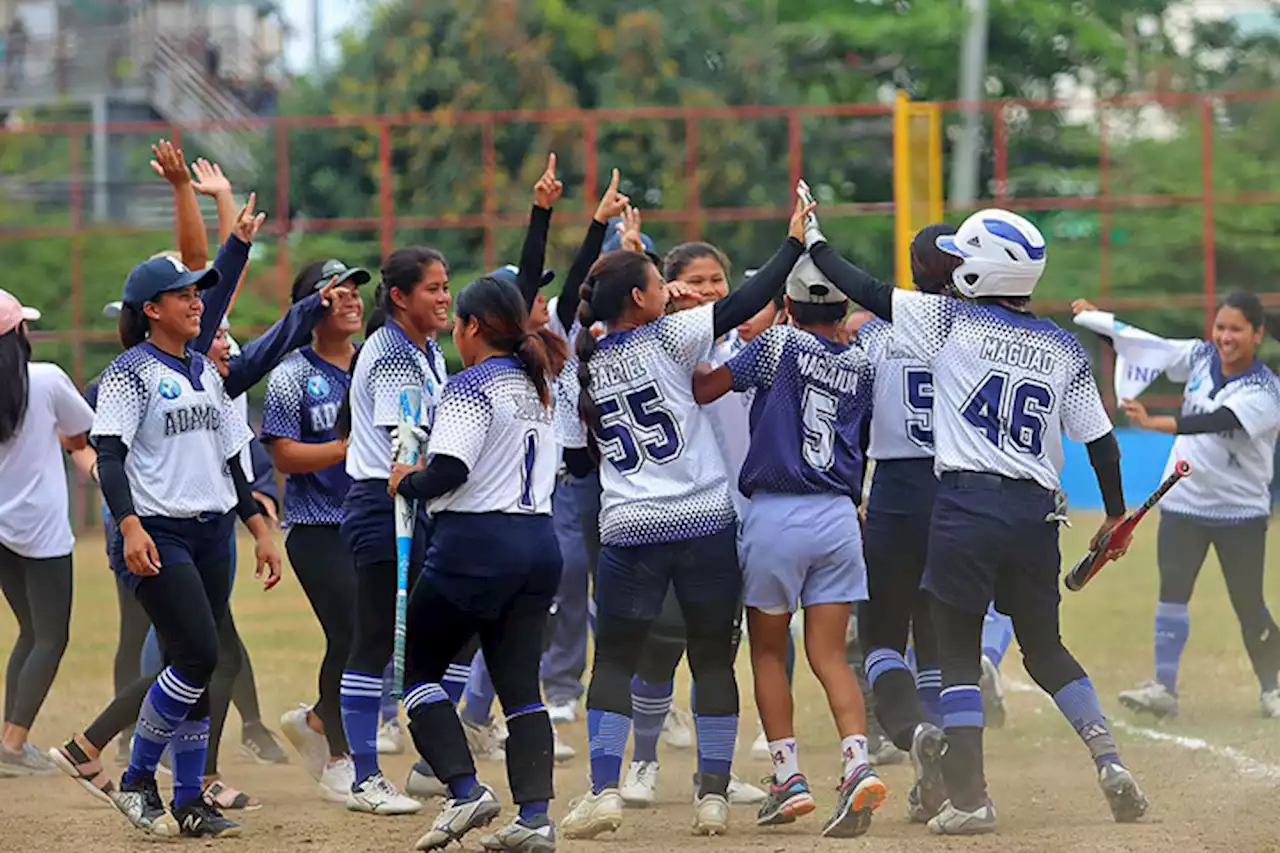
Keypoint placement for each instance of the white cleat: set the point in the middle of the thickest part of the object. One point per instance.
(561, 751)
(458, 817)
(760, 747)
(1151, 697)
(677, 732)
(952, 821)
(424, 786)
(592, 814)
(376, 795)
(744, 793)
(485, 740)
(563, 712)
(993, 712)
(391, 738)
(711, 815)
(336, 780)
(1270, 704)
(311, 745)
(640, 789)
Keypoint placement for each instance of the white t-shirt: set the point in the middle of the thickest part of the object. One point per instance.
(180, 428)
(1007, 385)
(662, 477)
(492, 419)
(1230, 472)
(33, 478)
(388, 362)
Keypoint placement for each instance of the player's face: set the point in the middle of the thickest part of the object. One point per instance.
(539, 316)
(426, 307)
(466, 334)
(1235, 337)
(855, 322)
(346, 312)
(220, 351)
(177, 312)
(650, 301)
(706, 277)
(757, 324)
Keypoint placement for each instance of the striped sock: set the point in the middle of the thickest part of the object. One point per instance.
(928, 687)
(168, 702)
(1173, 627)
(649, 706)
(478, 707)
(359, 698)
(417, 699)
(716, 739)
(961, 706)
(455, 680)
(607, 732)
(1078, 702)
(880, 661)
(997, 634)
(390, 709)
(189, 746)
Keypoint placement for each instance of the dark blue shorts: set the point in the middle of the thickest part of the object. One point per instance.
(990, 541)
(895, 536)
(631, 583)
(483, 562)
(369, 526)
(201, 542)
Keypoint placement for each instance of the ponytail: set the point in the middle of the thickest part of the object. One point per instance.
(503, 321)
(541, 355)
(133, 326)
(15, 355)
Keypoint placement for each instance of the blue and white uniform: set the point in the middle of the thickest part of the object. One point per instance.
(800, 543)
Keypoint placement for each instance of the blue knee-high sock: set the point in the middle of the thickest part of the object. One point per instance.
(717, 737)
(389, 710)
(649, 706)
(455, 681)
(168, 702)
(607, 732)
(1078, 702)
(359, 698)
(189, 746)
(479, 691)
(1173, 626)
(997, 634)
(928, 688)
(418, 697)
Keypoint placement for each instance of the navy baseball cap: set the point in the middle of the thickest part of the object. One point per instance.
(613, 240)
(510, 273)
(160, 275)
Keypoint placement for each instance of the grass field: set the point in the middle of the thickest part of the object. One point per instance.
(1217, 795)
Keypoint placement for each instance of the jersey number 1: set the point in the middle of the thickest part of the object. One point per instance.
(526, 501)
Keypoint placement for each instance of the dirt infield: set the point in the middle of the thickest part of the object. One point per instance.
(1213, 776)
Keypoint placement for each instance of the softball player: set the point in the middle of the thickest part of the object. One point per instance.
(162, 410)
(1227, 430)
(1007, 384)
(299, 417)
(414, 295)
(494, 563)
(803, 476)
(666, 516)
(39, 408)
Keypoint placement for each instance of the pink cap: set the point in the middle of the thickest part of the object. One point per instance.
(13, 313)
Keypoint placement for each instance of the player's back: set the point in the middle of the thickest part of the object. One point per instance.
(902, 414)
(813, 396)
(1007, 386)
(662, 475)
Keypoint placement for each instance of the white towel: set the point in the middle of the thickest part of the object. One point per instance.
(1140, 356)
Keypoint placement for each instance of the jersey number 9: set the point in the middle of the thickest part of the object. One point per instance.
(1016, 417)
(634, 426)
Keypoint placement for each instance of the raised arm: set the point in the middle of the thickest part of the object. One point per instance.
(230, 263)
(751, 298)
(612, 204)
(546, 192)
(193, 241)
(260, 356)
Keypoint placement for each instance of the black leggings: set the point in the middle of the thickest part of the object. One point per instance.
(374, 617)
(231, 657)
(134, 626)
(328, 577)
(1181, 547)
(39, 593)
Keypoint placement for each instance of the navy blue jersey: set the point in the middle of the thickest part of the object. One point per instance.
(813, 397)
(303, 397)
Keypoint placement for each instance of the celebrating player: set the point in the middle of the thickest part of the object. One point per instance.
(800, 542)
(39, 407)
(1007, 384)
(666, 516)
(1227, 431)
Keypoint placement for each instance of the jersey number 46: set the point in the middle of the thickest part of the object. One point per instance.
(1011, 413)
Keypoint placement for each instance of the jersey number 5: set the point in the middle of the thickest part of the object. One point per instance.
(918, 385)
(1016, 417)
(634, 426)
(819, 428)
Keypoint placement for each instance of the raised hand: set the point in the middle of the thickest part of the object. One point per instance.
(547, 191)
(167, 162)
(1079, 306)
(799, 218)
(812, 233)
(209, 179)
(612, 203)
(247, 222)
(629, 229)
